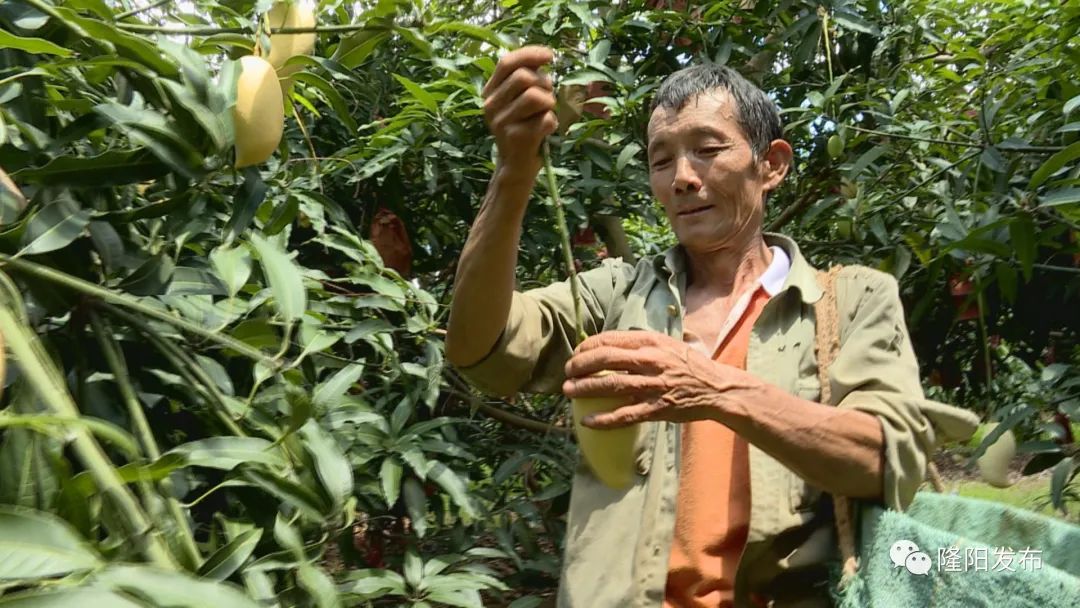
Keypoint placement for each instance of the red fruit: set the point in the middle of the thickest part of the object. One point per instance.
(597, 88)
(960, 288)
(683, 41)
(583, 237)
(390, 239)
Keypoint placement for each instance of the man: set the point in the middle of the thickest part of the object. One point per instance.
(735, 452)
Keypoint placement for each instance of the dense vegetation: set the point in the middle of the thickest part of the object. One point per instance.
(227, 386)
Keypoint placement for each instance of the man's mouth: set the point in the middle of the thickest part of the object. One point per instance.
(695, 210)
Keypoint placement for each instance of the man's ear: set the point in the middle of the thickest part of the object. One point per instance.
(775, 164)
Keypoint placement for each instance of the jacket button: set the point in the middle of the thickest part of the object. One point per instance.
(672, 310)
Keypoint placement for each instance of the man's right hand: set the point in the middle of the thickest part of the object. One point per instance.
(519, 104)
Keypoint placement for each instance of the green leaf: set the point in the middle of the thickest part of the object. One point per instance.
(330, 392)
(37, 46)
(284, 277)
(1006, 278)
(151, 130)
(1041, 462)
(133, 472)
(478, 32)
(331, 465)
(70, 597)
(60, 426)
(416, 505)
(196, 119)
(1062, 196)
(112, 168)
(151, 278)
(390, 475)
(1022, 235)
(54, 227)
(332, 96)
(373, 583)
(415, 458)
(401, 415)
(174, 589)
(415, 38)
(413, 568)
(233, 265)
(228, 559)
(36, 545)
(417, 92)
(318, 585)
(288, 537)
(301, 497)
(1071, 105)
(225, 453)
(1063, 473)
(626, 155)
(246, 201)
(992, 158)
(195, 281)
(856, 23)
(108, 244)
(356, 55)
(454, 485)
(1053, 164)
(865, 160)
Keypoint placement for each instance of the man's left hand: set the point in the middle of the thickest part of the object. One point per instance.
(661, 377)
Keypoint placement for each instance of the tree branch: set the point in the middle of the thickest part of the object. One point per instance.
(136, 11)
(793, 210)
(502, 415)
(1031, 149)
(210, 31)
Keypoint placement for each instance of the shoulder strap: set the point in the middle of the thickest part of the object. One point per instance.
(827, 346)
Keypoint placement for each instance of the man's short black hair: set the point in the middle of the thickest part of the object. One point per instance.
(756, 114)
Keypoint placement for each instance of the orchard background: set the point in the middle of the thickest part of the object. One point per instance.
(227, 386)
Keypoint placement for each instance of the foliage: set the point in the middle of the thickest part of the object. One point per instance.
(216, 385)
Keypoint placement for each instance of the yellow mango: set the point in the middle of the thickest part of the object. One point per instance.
(259, 115)
(284, 46)
(994, 463)
(609, 452)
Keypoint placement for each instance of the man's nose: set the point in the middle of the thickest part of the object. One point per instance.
(686, 179)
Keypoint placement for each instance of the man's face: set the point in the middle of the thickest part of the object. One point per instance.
(703, 171)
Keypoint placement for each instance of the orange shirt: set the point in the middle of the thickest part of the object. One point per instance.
(712, 512)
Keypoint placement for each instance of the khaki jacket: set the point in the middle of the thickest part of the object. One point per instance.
(618, 541)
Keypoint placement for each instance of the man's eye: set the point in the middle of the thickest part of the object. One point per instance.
(710, 150)
(660, 162)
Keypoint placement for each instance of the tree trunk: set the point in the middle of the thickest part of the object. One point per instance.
(614, 237)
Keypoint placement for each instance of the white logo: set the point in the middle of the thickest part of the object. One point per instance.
(906, 554)
(918, 563)
(900, 551)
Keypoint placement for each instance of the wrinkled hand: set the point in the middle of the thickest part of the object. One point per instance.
(519, 108)
(664, 378)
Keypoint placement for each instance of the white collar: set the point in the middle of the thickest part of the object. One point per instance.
(776, 274)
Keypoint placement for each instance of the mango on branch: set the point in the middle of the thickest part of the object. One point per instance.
(608, 452)
(259, 114)
(994, 463)
(285, 46)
